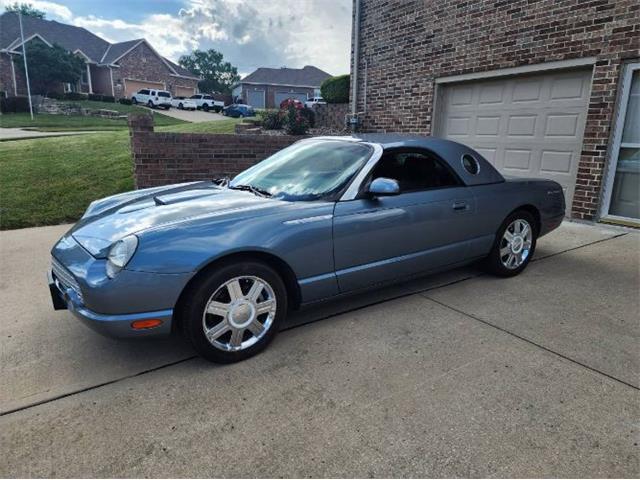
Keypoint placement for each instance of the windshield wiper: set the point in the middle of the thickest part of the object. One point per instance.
(250, 188)
(222, 181)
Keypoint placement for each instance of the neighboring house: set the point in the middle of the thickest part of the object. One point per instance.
(549, 88)
(267, 87)
(117, 69)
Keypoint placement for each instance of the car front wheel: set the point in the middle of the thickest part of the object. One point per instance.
(235, 312)
(134, 101)
(180, 107)
(205, 107)
(514, 245)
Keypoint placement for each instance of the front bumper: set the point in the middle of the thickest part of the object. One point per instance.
(118, 326)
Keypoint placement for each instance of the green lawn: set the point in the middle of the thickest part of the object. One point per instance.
(47, 181)
(45, 122)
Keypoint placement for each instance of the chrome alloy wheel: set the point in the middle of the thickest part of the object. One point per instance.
(515, 244)
(239, 313)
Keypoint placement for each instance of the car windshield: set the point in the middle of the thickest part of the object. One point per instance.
(309, 170)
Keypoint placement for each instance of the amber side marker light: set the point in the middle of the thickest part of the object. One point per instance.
(144, 324)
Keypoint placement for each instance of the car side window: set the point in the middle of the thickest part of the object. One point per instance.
(414, 171)
(144, 92)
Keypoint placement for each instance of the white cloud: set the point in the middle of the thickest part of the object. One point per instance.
(249, 33)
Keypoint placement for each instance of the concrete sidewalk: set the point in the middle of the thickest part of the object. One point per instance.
(23, 134)
(461, 374)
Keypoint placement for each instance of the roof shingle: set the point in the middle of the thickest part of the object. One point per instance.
(308, 76)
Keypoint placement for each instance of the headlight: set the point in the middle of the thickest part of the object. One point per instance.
(120, 254)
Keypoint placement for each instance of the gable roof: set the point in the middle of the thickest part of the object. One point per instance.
(308, 76)
(73, 39)
(67, 36)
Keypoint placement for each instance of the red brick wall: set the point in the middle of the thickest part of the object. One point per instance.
(407, 44)
(331, 115)
(143, 64)
(164, 158)
(6, 78)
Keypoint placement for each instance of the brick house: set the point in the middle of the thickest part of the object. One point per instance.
(541, 88)
(268, 87)
(117, 69)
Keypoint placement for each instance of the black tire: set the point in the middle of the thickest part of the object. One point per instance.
(205, 107)
(495, 263)
(191, 310)
(134, 101)
(180, 106)
(150, 104)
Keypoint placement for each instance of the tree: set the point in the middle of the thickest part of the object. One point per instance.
(218, 76)
(25, 9)
(49, 66)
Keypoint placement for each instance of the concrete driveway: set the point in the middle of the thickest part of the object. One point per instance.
(457, 375)
(194, 116)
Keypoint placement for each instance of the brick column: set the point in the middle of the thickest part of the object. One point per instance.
(140, 129)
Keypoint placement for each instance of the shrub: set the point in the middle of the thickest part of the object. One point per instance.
(310, 115)
(295, 123)
(74, 96)
(109, 98)
(271, 119)
(336, 89)
(94, 97)
(14, 105)
(55, 95)
(125, 101)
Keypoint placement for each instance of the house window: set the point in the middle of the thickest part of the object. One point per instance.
(85, 76)
(624, 174)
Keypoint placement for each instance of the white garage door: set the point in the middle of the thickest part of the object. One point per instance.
(525, 126)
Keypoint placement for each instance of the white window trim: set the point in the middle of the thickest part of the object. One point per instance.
(616, 140)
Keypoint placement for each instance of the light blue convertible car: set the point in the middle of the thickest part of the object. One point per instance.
(225, 261)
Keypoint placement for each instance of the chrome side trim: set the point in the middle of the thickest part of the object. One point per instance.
(353, 189)
(300, 221)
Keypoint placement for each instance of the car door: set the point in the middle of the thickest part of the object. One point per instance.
(423, 228)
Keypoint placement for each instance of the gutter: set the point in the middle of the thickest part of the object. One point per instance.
(353, 121)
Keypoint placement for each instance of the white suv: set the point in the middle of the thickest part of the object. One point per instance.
(206, 102)
(152, 98)
(314, 101)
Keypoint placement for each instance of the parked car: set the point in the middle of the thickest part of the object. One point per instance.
(207, 102)
(226, 262)
(287, 101)
(183, 103)
(314, 101)
(238, 110)
(152, 98)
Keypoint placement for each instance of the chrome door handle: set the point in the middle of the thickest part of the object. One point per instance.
(460, 206)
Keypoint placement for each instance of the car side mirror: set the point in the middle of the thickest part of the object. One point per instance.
(383, 187)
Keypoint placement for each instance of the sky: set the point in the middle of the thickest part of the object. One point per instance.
(249, 33)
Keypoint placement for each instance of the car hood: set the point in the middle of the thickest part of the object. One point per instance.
(108, 220)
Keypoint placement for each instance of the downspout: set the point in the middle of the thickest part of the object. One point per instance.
(353, 121)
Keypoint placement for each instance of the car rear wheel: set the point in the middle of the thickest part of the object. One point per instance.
(234, 313)
(205, 107)
(134, 101)
(150, 104)
(514, 245)
(180, 107)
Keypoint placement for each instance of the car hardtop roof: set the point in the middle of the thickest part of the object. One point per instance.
(448, 150)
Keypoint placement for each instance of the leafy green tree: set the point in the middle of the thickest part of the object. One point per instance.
(218, 75)
(25, 9)
(49, 66)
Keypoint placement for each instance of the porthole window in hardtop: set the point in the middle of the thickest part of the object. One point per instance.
(470, 164)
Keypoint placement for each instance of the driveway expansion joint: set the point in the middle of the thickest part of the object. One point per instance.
(531, 342)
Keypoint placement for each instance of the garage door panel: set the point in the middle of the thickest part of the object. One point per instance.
(132, 86)
(529, 125)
